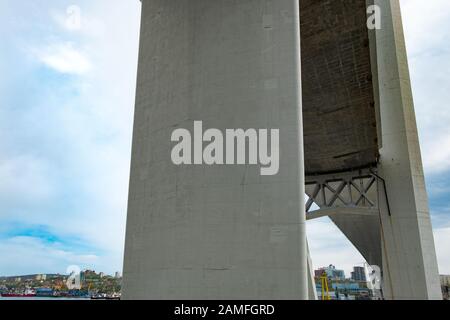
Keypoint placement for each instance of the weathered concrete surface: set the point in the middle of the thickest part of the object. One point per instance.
(363, 231)
(312, 291)
(219, 232)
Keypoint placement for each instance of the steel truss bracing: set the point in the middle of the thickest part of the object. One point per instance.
(355, 191)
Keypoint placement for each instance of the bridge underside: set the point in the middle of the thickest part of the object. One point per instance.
(340, 122)
(339, 115)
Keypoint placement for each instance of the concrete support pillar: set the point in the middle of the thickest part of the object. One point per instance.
(312, 292)
(409, 261)
(220, 231)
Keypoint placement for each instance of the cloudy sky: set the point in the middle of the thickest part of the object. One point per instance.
(66, 109)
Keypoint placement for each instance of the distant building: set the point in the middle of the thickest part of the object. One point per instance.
(101, 274)
(445, 286)
(331, 272)
(82, 276)
(445, 280)
(359, 274)
(41, 277)
(318, 273)
(117, 275)
(345, 286)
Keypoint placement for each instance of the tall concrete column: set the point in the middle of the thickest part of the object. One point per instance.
(312, 291)
(409, 261)
(220, 231)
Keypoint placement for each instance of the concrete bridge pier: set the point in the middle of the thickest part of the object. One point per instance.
(219, 231)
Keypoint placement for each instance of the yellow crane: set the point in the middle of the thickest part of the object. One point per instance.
(324, 285)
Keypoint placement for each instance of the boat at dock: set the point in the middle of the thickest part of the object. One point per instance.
(29, 293)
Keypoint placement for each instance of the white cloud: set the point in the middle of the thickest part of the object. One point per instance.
(29, 255)
(77, 20)
(24, 178)
(65, 58)
(437, 152)
(98, 125)
(426, 24)
(427, 34)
